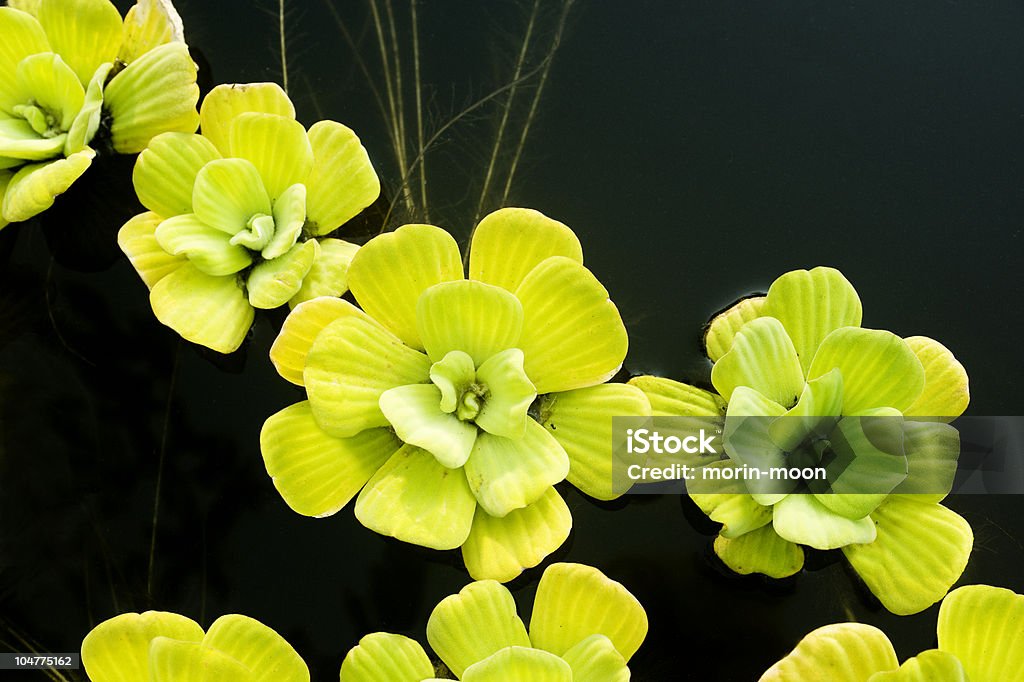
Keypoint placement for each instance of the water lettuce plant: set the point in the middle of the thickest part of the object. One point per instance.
(868, 406)
(452, 406)
(239, 215)
(166, 647)
(980, 639)
(584, 627)
(70, 69)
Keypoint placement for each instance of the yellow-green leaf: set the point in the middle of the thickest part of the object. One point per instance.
(315, 473)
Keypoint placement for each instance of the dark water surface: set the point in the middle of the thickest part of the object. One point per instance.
(699, 150)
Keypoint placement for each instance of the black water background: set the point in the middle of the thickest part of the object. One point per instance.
(699, 149)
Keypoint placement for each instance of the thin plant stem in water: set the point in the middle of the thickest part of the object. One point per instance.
(447, 125)
(394, 94)
(350, 41)
(419, 107)
(160, 471)
(555, 42)
(506, 112)
(284, 46)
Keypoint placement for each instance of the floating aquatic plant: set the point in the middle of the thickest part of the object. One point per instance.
(455, 404)
(71, 68)
(584, 628)
(980, 638)
(239, 215)
(866, 405)
(166, 647)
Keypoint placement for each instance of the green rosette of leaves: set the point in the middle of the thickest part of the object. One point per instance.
(980, 639)
(165, 647)
(239, 215)
(869, 407)
(453, 405)
(71, 67)
(584, 628)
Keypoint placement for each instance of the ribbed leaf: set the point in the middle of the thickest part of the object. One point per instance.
(342, 182)
(329, 274)
(166, 170)
(946, 387)
(156, 93)
(49, 83)
(453, 375)
(258, 647)
(147, 25)
(843, 652)
(415, 499)
(414, 411)
(572, 336)
(23, 36)
(746, 440)
(473, 317)
(865, 463)
(506, 474)
(510, 394)
(762, 357)
(227, 193)
(932, 450)
(470, 626)
(723, 327)
(510, 242)
(207, 248)
(210, 311)
(581, 421)
(273, 282)
(983, 627)
(738, 513)
(928, 666)
(137, 239)
(20, 142)
(920, 551)
(171, 660)
(276, 145)
(519, 664)
(804, 520)
(674, 399)
(575, 601)
(814, 414)
(501, 548)
(33, 188)
(87, 122)
(300, 329)
(117, 650)
(289, 217)
(810, 305)
(596, 660)
(350, 364)
(760, 551)
(391, 271)
(86, 33)
(226, 102)
(879, 369)
(384, 657)
(315, 473)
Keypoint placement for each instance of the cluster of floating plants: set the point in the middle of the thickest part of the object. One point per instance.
(238, 214)
(584, 627)
(449, 400)
(800, 382)
(980, 639)
(452, 406)
(72, 72)
(167, 647)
